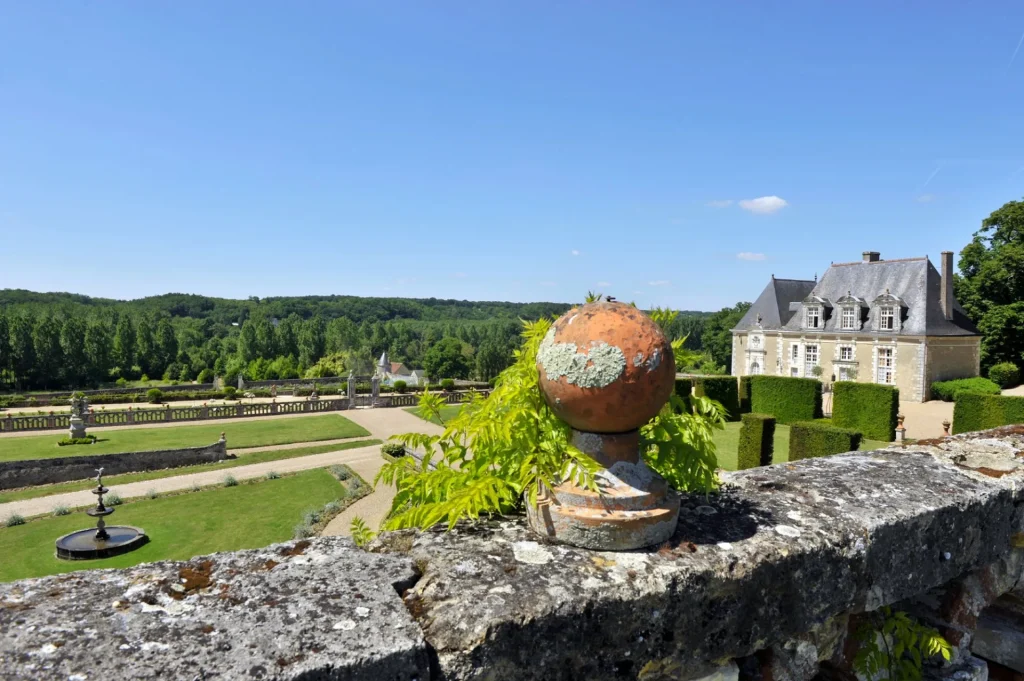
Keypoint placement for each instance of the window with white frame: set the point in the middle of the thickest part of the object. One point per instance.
(849, 319)
(887, 318)
(796, 353)
(812, 316)
(810, 359)
(755, 368)
(886, 365)
(846, 353)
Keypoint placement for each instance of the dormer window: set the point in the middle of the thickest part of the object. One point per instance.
(888, 312)
(852, 310)
(812, 316)
(887, 318)
(849, 319)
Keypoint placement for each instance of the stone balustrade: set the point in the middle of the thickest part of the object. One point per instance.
(767, 578)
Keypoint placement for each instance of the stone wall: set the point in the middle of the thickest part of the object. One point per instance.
(14, 474)
(763, 580)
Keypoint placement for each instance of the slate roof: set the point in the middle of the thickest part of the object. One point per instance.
(774, 304)
(914, 280)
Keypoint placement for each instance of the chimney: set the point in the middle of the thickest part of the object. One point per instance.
(947, 284)
(872, 256)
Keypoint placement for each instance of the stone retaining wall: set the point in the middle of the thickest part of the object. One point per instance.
(12, 423)
(763, 580)
(15, 474)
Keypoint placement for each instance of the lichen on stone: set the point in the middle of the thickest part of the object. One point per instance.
(600, 366)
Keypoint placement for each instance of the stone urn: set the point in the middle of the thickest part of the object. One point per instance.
(606, 369)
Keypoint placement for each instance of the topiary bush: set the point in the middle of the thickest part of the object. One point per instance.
(113, 499)
(392, 449)
(974, 411)
(868, 408)
(14, 520)
(230, 481)
(787, 399)
(447, 384)
(809, 439)
(745, 394)
(230, 393)
(401, 386)
(154, 395)
(757, 441)
(724, 390)
(947, 391)
(1005, 374)
(684, 390)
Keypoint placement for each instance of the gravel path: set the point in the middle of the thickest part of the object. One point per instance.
(366, 461)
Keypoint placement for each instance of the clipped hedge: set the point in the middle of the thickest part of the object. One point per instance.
(757, 441)
(947, 391)
(866, 407)
(724, 390)
(810, 439)
(1005, 374)
(745, 394)
(787, 399)
(683, 390)
(974, 411)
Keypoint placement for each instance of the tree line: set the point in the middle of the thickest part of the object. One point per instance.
(63, 341)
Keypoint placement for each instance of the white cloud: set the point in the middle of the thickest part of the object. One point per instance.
(747, 255)
(764, 204)
(722, 203)
(659, 282)
(603, 283)
(925, 198)
(574, 252)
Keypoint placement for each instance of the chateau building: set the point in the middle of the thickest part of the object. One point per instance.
(894, 322)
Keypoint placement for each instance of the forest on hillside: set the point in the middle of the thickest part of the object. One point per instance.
(66, 340)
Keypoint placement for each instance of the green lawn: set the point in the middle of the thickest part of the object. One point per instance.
(239, 434)
(727, 442)
(248, 516)
(242, 460)
(448, 412)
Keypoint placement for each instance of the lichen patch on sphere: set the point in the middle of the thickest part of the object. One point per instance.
(600, 366)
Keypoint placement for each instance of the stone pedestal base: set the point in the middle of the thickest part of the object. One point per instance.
(77, 429)
(633, 506)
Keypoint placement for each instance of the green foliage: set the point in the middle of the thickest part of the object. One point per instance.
(401, 386)
(717, 338)
(113, 499)
(866, 407)
(809, 439)
(14, 520)
(974, 411)
(67, 441)
(230, 481)
(1005, 374)
(724, 390)
(154, 395)
(446, 360)
(684, 391)
(230, 392)
(61, 510)
(447, 384)
(949, 391)
(894, 647)
(519, 445)
(392, 449)
(360, 531)
(990, 288)
(787, 399)
(757, 441)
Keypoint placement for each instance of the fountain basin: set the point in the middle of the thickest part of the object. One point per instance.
(83, 544)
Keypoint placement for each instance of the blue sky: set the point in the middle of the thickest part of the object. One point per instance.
(669, 153)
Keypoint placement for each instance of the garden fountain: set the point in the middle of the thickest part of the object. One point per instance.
(103, 542)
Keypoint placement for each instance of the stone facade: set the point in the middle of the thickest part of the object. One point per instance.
(916, 362)
(765, 579)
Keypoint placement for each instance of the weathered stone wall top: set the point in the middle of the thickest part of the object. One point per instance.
(779, 552)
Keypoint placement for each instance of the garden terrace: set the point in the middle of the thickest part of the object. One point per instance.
(769, 575)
